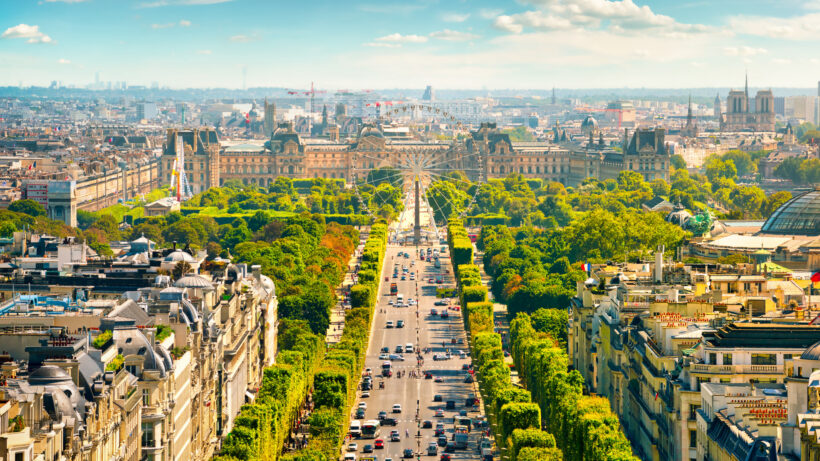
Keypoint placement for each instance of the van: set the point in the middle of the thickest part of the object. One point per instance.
(409, 348)
(356, 428)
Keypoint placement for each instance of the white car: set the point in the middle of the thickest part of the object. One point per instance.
(384, 356)
(389, 324)
(363, 405)
(350, 457)
(365, 394)
(352, 446)
(390, 302)
(397, 408)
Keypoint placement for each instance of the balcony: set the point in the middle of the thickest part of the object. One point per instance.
(737, 369)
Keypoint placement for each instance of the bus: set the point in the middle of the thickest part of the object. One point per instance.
(394, 289)
(355, 428)
(370, 429)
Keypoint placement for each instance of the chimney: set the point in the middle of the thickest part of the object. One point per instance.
(256, 269)
(659, 264)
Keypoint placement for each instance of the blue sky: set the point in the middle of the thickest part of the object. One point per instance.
(357, 44)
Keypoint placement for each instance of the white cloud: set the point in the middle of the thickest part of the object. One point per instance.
(743, 51)
(399, 38)
(621, 15)
(63, 61)
(31, 33)
(203, 52)
(242, 38)
(781, 61)
(159, 3)
(168, 25)
(803, 27)
(455, 17)
(383, 45)
(487, 13)
(453, 35)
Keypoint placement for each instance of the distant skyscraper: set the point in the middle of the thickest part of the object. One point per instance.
(270, 118)
(717, 107)
(818, 88)
(553, 96)
(429, 94)
(146, 110)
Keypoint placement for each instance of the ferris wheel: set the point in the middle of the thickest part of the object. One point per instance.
(421, 184)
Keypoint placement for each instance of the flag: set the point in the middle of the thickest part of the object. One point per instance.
(34, 165)
(815, 277)
(656, 396)
(586, 267)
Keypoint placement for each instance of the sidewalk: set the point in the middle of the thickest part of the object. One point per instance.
(337, 314)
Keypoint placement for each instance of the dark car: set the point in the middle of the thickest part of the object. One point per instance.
(445, 457)
(368, 448)
(451, 405)
(389, 422)
(442, 440)
(440, 303)
(366, 386)
(399, 349)
(450, 448)
(360, 413)
(468, 379)
(408, 453)
(382, 415)
(465, 366)
(400, 324)
(427, 424)
(437, 398)
(385, 350)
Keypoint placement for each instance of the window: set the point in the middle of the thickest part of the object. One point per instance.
(148, 435)
(693, 438)
(19, 456)
(712, 358)
(727, 359)
(146, 397)
(764, 359)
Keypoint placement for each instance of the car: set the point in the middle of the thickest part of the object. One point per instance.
(439, 413)
(432, 280)
(368, 448)
(440, 357)
(389, 324)
(427, 424)
(439, 429)
(400, 324)
(404, 277)
(469, 379)
(360, 413)
(365, 395)
(445, 457)
(408, 453)
(386, 279)
(353, 446)
(445, 315)
(437, 398)
(385, 350)
(462, 412)
(438, 379)
(397, 357)
(428, 375)
(465, 367)
(450, 405)
(432, 449)
(389, 422)
(397, 408)
(460, 340)
(363, 405)
(409, 348)
(395, 275)
(440, 303)
(382, 415)
(433, 312)
(395, 436)
(399, 349)
(368, 371)
(350, 457)
(450, 448)
(384, 356)
(390, 302)
(442, 440)
(379, 444)
(367, 385)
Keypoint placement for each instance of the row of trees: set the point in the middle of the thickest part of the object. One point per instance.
(338, 375)
(517, 421)
(584, 427)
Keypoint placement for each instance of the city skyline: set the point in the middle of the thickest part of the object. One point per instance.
(529, 44)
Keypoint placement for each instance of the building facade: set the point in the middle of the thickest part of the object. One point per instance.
(741, 116)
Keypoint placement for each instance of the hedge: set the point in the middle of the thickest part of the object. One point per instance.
(523, 438)
(508, 408)
(338, 377)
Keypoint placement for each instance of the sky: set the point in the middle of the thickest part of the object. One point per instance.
(374, 44)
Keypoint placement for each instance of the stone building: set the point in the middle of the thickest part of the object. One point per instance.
(740, 116)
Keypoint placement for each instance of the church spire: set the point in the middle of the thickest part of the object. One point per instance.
(689, 114)
(747, 83)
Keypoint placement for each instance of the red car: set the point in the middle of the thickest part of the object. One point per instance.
(445, 457)
(379, 444)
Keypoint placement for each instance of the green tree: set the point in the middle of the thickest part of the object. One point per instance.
(27, 206)
(678, 162)
(774, 201)
(7, 229)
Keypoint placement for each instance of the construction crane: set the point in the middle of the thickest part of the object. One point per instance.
(312, 93)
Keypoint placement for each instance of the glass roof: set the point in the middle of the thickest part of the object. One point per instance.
(798, 216)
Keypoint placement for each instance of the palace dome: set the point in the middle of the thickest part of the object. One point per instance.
(371, 131)
(798, 216)
(589, 125)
